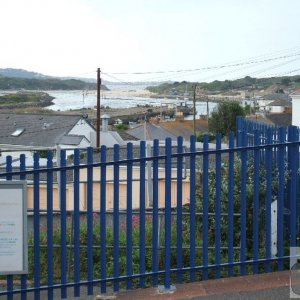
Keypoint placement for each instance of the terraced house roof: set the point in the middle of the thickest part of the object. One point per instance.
(38, 130)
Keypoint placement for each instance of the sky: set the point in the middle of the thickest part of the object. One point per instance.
(192, 40)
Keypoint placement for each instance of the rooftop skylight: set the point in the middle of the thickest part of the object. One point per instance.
(18, 132)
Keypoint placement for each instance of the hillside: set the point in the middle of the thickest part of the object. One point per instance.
(20, 73)
(16, 79)
(228, 87)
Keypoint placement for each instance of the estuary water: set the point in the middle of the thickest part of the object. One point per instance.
(72, 100)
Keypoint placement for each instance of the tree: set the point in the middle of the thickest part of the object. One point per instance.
(223, 118)
(286, 81)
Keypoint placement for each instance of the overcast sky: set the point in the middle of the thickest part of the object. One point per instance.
(74, 37)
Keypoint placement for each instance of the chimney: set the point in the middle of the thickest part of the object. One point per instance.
(105, 119)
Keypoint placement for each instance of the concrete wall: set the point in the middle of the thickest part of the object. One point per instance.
(110, 191)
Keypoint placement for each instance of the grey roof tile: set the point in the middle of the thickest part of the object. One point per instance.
(152, 132)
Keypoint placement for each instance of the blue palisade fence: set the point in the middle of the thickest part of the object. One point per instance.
(111, 232)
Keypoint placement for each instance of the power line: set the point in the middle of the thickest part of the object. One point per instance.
(169, 76)
(268, 68)
(208, 67)
(285, 73)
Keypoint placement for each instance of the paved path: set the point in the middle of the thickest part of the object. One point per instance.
(263, 286)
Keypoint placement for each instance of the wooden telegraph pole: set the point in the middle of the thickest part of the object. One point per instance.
(98, 107)
(194, 113)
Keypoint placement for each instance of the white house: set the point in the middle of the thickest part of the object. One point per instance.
(274, 103)
(23, 132)
(296, 108)
(277, 106)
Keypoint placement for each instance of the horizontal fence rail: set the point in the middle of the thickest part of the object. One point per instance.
(97, 225)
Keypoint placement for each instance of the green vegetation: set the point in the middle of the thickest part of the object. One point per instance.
(122, 126)
(13, 83)
(96, 252)
(25, 99)
(175, 88)
(223, 118)
(224, 206)
(237, 207)
(226, 86)
(200, 137)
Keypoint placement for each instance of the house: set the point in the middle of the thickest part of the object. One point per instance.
(108, 138)
(273, 102)
(24, 132)
(278, 106)
(276, 103)
(296, 107)
(185, 128)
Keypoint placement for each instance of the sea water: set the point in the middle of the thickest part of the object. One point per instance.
(73, 100)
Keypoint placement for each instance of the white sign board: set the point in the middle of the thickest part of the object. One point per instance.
(13, 228)
(274, 228)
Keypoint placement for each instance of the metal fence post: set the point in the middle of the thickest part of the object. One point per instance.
(103, 219)
(168, 224)
(142, 212)
(116, 216)
(9, 278)
(63, 224)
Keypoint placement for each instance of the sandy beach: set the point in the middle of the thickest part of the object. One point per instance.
(127, 93)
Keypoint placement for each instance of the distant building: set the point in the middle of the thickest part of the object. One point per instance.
(278, 106)
(274, 103)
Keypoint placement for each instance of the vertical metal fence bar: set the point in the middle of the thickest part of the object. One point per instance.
(179, 209)
(205, 206)
(243, 247)
(90, 224)
(63, 224)
(24, 276)
(129, 217)
(142, 213)
(50, 223)
(9, 278)
(289, 182)
(103, 219)
(231, 204)
(192, 207)
(168, 177)
(116, 216)
(296, 173)
(280, 199)
(256, 219)
(268, 162)
(297, 167)
(76, 221)
(155, 236)
(218, 206)
(36, 223)
(294, 152)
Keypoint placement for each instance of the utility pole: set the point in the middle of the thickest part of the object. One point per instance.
(98, 108)
(194, 114)
(207, 107)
